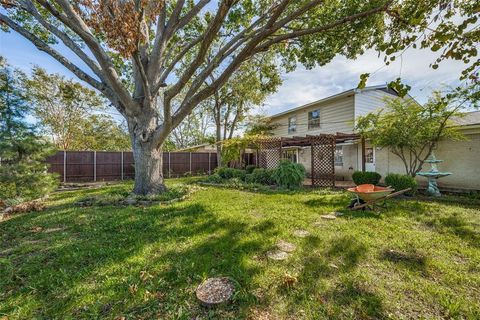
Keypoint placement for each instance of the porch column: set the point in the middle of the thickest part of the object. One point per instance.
(363, 153)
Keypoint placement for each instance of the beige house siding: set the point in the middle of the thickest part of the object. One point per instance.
(370, 101)
(335, 116)
(460, 157)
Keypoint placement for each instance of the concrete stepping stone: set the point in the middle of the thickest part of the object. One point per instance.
(301, 233)
(328, 217)
(277, 255)
(286, 246)
(215, 291)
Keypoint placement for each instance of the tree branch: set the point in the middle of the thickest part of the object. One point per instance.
(76, 24)
(42, 46)
(208, 38)
(67, 41)
(304, 32)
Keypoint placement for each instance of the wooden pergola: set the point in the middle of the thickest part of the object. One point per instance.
(322, 146)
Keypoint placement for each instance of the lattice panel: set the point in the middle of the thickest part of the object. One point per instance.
(323, 161)
(269, 153)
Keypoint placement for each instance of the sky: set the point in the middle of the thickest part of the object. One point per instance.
(300, 86)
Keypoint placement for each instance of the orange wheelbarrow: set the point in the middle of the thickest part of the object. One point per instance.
(368, 196)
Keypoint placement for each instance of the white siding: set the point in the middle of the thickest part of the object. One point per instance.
(369, 101)
(335, 116)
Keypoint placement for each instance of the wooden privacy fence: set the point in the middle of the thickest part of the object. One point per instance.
(87, 166)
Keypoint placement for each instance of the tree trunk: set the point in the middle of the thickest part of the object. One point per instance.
(148, 156)
(148, 169)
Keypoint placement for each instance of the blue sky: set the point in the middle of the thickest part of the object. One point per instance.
(299, 87)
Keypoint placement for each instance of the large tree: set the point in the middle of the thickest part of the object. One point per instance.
(134, 52)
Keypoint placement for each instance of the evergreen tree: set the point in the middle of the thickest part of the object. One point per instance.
(23, 172)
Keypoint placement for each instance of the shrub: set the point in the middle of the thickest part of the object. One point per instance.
(249, 169)
(400, 182)
(261, 176)
(229, 173)
(214, 178)
(360, 177)
(25, 181)
(289, 175)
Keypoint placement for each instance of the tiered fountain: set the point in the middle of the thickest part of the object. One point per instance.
(433, 175)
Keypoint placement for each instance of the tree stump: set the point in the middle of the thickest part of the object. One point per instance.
(215, 291)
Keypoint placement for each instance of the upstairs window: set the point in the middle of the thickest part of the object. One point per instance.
(292, 124)
(314, 119)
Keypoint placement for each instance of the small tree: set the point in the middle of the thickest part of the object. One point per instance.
(69, 113)
(410, 130)
(23, 172)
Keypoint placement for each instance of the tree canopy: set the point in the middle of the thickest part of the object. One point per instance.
(72, 115)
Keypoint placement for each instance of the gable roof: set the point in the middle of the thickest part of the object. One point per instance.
(336, 96)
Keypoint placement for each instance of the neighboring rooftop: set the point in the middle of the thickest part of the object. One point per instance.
(346, 93)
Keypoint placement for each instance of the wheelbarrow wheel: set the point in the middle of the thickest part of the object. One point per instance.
(356, 202)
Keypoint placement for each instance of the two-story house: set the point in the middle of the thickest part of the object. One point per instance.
(336, 115)
(332, 115)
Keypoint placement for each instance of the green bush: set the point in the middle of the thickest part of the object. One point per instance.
(25, 181)
(249, 169)
(360, 177)
(400, 182)
(214, 178)
(229, 173)
(289, 175)
(261, 176)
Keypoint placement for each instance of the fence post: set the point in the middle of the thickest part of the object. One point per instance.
(190, 163)
(209, 163)
(94, 166)
(64, 166)
(121, 161)
(169, 170)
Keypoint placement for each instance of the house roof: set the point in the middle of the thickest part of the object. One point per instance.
(468, 119)
(336, 96)
(206, 145)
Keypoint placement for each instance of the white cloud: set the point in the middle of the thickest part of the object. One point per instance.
(304, 86)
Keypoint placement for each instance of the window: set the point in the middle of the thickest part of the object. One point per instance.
(292, 124)
(314, 119)
(339, 156)
(290, 154)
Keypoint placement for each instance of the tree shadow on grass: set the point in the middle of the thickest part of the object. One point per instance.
(335, 262)
(457, 225)
(94, 266)
(351, 298)
(411, 260)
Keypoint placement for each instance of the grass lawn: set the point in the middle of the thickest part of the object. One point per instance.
(418, 259)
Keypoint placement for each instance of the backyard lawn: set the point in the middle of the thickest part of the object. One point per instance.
(418, 258)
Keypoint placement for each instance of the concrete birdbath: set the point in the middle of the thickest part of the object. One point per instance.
(433, 175)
